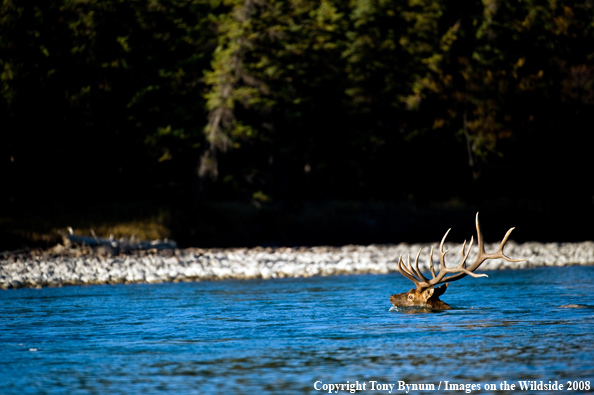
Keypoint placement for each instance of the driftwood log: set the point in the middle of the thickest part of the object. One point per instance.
(112, 246)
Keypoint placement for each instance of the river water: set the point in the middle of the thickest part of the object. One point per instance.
(296, 335)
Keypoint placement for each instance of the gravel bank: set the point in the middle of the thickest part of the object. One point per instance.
(52, 269)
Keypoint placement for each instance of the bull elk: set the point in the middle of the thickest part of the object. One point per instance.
(425, 294)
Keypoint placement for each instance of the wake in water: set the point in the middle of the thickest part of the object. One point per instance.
(414, 310)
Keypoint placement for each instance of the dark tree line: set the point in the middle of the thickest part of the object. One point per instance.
(274, 101)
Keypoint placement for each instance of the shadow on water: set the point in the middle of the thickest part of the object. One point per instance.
(576, 306)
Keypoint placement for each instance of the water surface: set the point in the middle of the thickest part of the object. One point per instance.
(283, 335)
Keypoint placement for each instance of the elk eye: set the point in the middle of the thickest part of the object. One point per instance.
(410, 297)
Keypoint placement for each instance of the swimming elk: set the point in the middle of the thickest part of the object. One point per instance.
(425, 294)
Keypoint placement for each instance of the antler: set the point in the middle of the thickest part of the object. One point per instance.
(460, 271)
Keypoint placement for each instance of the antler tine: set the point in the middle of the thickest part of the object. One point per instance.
(442, 266)
(465, 254)
(462, 266)
(463, 250)
(409, 267)
(431, 263)
(404, 271)
(416, 267)
(442, 253)
(503, 244)
(407, 270)
(479, 236)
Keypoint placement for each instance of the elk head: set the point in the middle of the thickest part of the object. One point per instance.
(425, 294)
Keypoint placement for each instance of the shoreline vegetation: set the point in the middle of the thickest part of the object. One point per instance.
(61, 266)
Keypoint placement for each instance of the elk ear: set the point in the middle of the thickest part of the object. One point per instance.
(441, 290)
(428, 293)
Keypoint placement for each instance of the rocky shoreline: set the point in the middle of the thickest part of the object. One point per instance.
(63, 266)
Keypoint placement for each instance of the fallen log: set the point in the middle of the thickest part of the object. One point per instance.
(112, 246)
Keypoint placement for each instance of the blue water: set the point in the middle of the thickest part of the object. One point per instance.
(284, 335)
